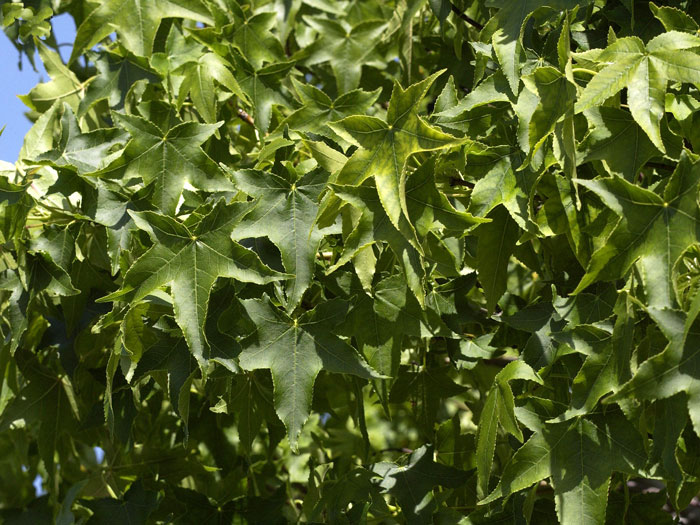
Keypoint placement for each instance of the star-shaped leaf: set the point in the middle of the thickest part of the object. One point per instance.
(379, 323)
(285, 213)
(430, 210)
(46, 401)
(170, 158)
(319, 109)
(579, 457)
(412, 485)
(653, 231)
(501, 182)
(86, 152)
(645, 71)
(295, 351)
(252, 36)
(498, 407)
(618, 141)
(199, 82)
(115, 77)
(190, 261)
(674, 370)
(135, 21)
(172, 357)
(507, 27)
(346, 47)
(262, 87)
(374, 226)
(385, 146)
(135, 507)
(63, 86)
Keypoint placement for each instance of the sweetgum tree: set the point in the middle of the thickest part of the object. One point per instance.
(353, 262)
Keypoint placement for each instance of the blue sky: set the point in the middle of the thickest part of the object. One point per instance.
(16, 82)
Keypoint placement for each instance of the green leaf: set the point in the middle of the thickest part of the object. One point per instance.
(295, 351)
(285, 213)
(200, 79)
(645, 71)
(501, 182)
(47, 401)
(386, 146)
(412, 484)
(253, 38)
(508, 26)
(115, 76)
(430, 210)
(499, 406)
(173, 358)
(579, 457)
(190, 261)
(135, 507)
(373, 226)
(673, 18)
(86, 152)
(64, 84)
(617, 140)
(135, 21)
(647, 221)
(345, 46)
(671, 371)
(496, 242)
(169, 158)
(260, 85)
(318, 109)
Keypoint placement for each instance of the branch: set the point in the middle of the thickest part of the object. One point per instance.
(454, 181)
(245, 117)
(466, 18)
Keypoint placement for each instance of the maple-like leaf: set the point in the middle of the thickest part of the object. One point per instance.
(190, 261)
(261, 86)
(617, 140)
(675, 369)
(498, 407)
(115, 76)
(386, 146)
(507, 26)
(251, 34)
(580, 457)
(345, 46)
(644, 70)
(295, 351)
(373, 226)
(318, 109)
(170, 158)
(46, 400)
(86, 152)
(654, 230)
(135, 21)
(199, 82)
(285, 213)
(412, 484)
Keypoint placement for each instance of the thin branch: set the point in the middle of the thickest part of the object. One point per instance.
(469, 20)
(454, 181)
(245, 117)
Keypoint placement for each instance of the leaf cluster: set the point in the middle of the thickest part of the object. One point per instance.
(350, 261)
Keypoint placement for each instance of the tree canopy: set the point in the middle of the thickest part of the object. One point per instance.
(353, 261)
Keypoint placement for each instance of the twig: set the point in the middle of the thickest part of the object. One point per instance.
(659, 166)
(466, 18)
(459, 182)
(397, 449)
(245, 117)
(499, 361)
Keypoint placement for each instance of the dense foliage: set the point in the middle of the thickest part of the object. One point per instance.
(353, 261)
